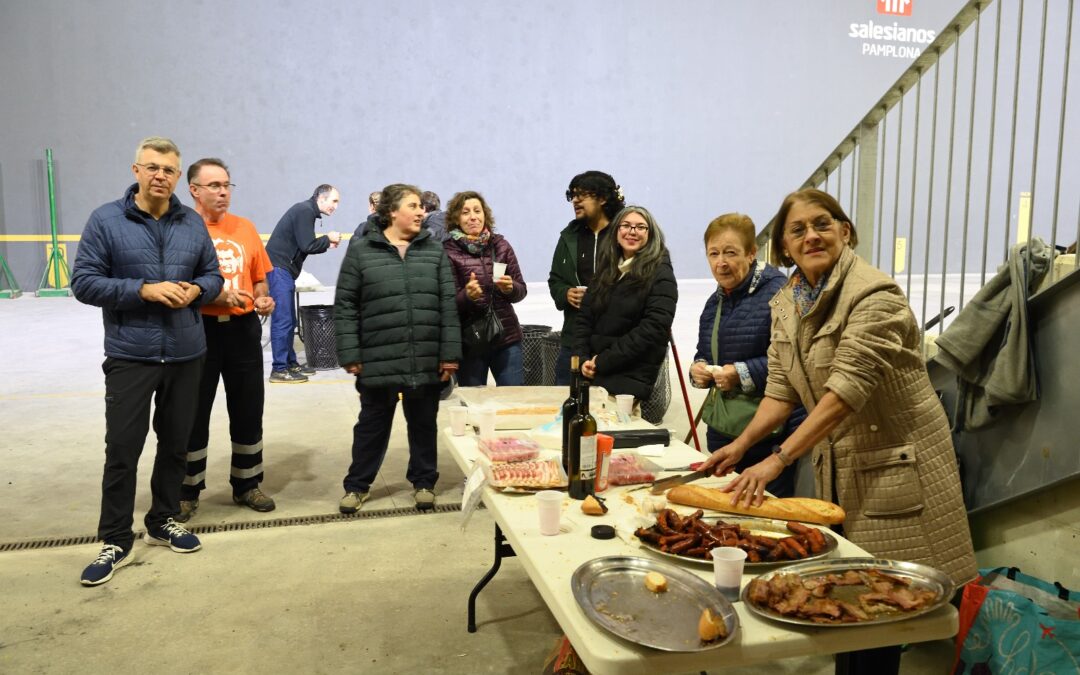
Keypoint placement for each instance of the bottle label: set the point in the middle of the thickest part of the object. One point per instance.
(603, 465)
(588, 457)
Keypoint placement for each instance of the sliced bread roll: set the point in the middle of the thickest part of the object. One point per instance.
(803, 509)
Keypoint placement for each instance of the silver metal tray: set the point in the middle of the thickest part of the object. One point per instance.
(756, 525)
(611, 591)
(921, 576)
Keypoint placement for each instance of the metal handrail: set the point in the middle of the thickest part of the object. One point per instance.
(886, 169)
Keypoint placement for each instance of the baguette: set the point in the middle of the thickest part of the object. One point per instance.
(802, 509)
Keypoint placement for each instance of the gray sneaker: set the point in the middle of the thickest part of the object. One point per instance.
(425, 499)
(352, 501)
(255, 499)
(286, 377)
(188, 507)
(298, 369)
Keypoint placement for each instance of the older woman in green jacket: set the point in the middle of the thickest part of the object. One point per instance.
(397, 332)
(846, 345)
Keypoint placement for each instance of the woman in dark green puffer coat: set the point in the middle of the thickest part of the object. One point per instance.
(397, 331)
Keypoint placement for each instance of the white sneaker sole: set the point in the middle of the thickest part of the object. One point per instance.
(154, 541)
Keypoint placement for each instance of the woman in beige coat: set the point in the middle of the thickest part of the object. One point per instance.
(846, 345)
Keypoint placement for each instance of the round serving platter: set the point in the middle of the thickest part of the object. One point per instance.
(761, 526)
(611, 591)
(920, 576)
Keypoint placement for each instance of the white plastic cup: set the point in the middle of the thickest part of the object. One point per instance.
(485, 422)
(728, 564)
(625, 404)
(549, 506)
(582, 288)
(459, 419)
(498, 270)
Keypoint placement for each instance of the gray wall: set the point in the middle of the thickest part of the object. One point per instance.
(696, 107)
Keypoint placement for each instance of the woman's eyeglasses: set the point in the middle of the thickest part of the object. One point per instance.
(821, 225)
(632, 227)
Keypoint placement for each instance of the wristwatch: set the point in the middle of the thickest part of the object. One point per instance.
(779, 452)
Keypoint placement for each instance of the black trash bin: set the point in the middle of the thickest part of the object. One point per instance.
(319, 339)
(655, 407)
(552, 344)
(532, 353)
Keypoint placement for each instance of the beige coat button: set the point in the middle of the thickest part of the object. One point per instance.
(873, 427)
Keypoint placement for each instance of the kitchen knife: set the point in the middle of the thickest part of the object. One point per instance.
(667, 483)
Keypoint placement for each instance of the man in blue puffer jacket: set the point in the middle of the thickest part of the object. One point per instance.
(148, 262)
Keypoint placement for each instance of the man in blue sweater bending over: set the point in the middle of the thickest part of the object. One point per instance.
(291, 242)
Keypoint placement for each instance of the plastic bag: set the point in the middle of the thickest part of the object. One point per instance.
(1011, 622)
(628, 468)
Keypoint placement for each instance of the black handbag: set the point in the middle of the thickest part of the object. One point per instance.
(481, 333)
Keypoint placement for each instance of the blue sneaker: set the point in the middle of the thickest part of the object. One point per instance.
(108, 561)
(173, 535)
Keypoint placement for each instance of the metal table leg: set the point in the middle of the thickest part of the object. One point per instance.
(502, 550)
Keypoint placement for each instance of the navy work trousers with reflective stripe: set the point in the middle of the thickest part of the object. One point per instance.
(234, 355)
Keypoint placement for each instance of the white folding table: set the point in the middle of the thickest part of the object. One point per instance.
(550, 562)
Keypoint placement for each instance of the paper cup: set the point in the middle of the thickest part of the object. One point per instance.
(728, 569)
(459, 419)
(499, 270)
(625, 404)
(549, 506)
(485, 422)
(582, 288)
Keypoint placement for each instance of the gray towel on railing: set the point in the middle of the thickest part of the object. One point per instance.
(987, 344)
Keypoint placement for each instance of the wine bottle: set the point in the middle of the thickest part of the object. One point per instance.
(582, 437)
(569, 411)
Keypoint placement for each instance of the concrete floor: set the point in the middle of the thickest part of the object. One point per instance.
(379, 595)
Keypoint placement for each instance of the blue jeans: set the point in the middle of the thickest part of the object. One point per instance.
(562, 367)
(505, 364)
(282, 321)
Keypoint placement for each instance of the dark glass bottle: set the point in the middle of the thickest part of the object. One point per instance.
(582, 437)
(570, 411)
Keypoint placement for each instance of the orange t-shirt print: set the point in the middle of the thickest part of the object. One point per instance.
(242, 260)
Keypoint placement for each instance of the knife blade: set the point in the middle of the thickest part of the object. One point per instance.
(671, 481)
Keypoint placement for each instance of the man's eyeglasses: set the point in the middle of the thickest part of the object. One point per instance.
(571, 195)
(633, 227)
(821, 225)
(152, 169)
(217, 187)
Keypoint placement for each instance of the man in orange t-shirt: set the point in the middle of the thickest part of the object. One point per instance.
(233, 343)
